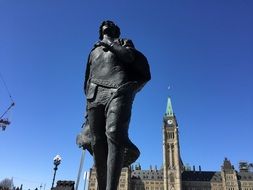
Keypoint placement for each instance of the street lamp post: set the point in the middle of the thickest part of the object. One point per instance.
(57, 161)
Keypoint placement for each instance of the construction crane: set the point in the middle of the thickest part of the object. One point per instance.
(4, 121)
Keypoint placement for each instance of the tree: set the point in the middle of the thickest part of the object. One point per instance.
(6, 184)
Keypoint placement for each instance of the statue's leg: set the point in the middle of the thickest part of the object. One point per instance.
(114, 165)
(96, 118)
(118, 117)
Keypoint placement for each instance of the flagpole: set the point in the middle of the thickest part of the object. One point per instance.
(80, 169)
(85, 179)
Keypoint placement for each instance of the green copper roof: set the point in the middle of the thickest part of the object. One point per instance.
(169, 110)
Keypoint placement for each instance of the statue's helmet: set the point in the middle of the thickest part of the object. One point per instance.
(110, 28)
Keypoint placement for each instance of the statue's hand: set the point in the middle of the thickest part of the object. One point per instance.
(100, 43)
(121, 41)
(105, 46)
(126, 42)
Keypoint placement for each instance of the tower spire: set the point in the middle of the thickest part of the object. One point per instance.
(169, 110)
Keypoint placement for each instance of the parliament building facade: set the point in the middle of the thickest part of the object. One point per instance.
(174, 175)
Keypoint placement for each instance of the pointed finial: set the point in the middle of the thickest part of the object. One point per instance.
(169, 110)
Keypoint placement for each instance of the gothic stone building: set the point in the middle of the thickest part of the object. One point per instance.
(174, 175)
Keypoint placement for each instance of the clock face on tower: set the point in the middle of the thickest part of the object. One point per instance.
(170, 121)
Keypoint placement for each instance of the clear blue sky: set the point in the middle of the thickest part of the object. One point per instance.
(203, 50)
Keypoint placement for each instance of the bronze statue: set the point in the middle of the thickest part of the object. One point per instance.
(115, 72)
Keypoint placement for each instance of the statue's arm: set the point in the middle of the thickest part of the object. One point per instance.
(125, 54)
(87, 75)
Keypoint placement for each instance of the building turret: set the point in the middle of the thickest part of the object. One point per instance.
(229, 176)
(171, 151)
